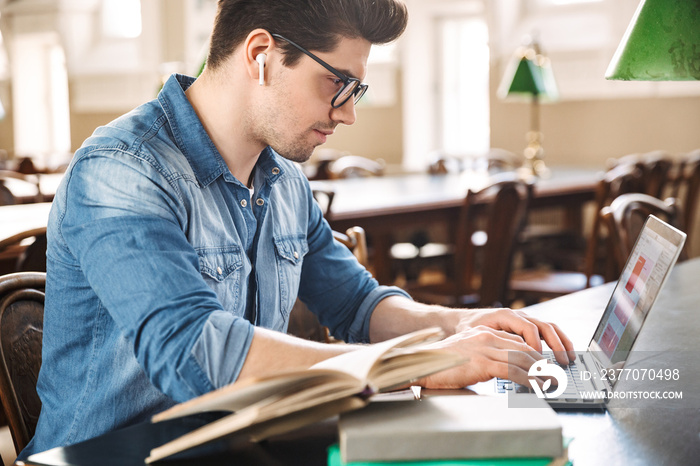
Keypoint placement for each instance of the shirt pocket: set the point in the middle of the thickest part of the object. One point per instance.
(290, 252)
(221, 268)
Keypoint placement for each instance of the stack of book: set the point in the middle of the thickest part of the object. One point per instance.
(450, 431)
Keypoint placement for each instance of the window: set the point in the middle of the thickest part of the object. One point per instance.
(121, 19)
(464, 86)
(40, 96)
(445, 81)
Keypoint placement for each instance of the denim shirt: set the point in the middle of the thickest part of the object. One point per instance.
(160, 263)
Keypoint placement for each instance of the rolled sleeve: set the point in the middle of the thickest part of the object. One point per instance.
(218, 354)
(359, 329)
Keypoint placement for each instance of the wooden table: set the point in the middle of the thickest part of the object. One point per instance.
(383, 205)
(621, 436)
(28, 192)
(15, 219)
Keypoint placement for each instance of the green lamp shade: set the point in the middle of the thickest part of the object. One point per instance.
(662, 43)
(529, 77)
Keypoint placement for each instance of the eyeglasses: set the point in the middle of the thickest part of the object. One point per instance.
(352, 87)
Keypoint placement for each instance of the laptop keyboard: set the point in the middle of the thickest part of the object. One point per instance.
(574, 386)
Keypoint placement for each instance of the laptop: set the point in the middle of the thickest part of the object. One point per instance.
(591, 378)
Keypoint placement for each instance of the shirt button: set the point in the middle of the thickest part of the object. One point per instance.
(275, 171)
(296, 255)
(219, 271)
(260, 201)
(244, 203)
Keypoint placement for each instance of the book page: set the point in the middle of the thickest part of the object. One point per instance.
(248, 392)
(360, 363)
(401, 366)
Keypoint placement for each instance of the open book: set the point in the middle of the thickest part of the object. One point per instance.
(270, 405)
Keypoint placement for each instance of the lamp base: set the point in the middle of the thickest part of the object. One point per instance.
(534, 156)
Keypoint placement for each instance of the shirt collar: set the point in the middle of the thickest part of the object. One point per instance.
(193, 140)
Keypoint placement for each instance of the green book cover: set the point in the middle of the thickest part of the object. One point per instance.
(334, 460)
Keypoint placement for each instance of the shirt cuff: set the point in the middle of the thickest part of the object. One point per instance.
(359, 330)
(218, 355)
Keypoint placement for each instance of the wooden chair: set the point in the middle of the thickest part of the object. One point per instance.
(24, 257)
(687, 189)
(6, 196)
(499, 160)
(21, 329)
(442, 164)
(302, 322)
(534, 284)
(419, 251)
(626, 215)
(317, 168)
(349, 166)
(26, 166)
(324, 197)
(355, 239)
(31, 180)
(656, 169)
(490, 220)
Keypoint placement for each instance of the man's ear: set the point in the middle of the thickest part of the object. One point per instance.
(259, 42)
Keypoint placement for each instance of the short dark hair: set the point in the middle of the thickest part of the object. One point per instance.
(314, 24)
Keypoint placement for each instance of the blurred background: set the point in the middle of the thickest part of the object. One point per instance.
(68, 66)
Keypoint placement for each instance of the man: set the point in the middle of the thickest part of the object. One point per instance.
(183, 233)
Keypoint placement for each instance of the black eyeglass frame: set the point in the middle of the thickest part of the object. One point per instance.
(359, 87)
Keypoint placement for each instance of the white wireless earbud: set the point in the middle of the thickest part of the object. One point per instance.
(261, 67)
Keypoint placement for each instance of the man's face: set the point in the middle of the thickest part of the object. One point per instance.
(295, 114)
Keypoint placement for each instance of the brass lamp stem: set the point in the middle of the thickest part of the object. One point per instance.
(534, 154)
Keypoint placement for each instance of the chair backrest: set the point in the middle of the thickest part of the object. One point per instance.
(689, 178)
(21, 330)
(23, 178)
(6, 196)
(26, 166)
(490, 221)
(655, 167)
(624, 178)
(324, 197)
(441, 164)
(498, 160)
(625, 217)
(355, 239)
(31, 258)
(349, 166)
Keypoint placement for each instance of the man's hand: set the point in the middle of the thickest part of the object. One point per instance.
(517, 322)
(488, 353)
(495, 342)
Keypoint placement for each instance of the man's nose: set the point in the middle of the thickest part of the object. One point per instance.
(344, 114)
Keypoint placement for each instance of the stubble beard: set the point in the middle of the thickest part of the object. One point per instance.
(297, 150)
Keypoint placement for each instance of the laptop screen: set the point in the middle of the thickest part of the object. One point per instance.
(655, 252)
